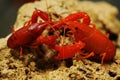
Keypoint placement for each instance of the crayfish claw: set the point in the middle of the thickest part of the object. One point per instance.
(68, 51)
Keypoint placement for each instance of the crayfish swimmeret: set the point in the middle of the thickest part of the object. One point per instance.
(85, 37)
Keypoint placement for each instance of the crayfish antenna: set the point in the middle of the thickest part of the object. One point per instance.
(47, 10)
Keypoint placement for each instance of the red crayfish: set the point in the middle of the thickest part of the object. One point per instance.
(31, 32)
(96, 44)
(86, 37)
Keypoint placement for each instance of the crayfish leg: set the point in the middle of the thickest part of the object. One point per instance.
(12, 29)
(107, 35)
(33, 46)
(89, 55)
(103, 57)
(86, 56)
(21, 51)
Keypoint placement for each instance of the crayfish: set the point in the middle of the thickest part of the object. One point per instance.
(30, 33)
(85, 37)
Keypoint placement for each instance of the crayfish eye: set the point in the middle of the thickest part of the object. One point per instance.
(76, 28)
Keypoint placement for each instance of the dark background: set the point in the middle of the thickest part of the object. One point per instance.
(8, 14)
(9, 8)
